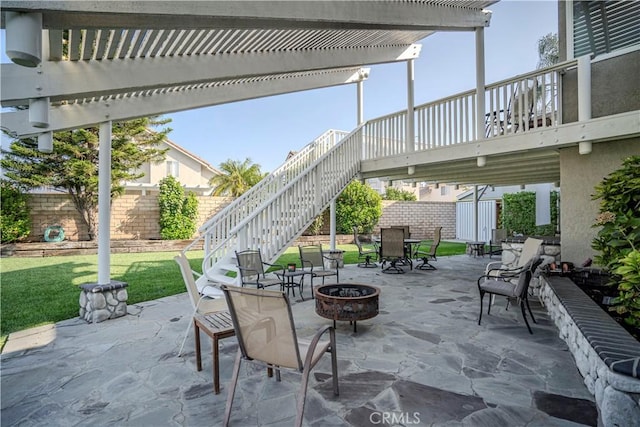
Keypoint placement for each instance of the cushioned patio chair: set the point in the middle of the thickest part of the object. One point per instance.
(530, 250)
(313, 258)
(392, 249)
(367, 254)
(428, 253)
(252, 270)
(502, 286)
(266, 334)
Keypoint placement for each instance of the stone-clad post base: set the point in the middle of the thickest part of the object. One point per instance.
(101, 302)
(334, 257)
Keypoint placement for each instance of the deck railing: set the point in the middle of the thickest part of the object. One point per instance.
(446, 122)
(528, 101)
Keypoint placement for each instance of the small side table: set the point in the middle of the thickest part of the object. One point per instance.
(476, 248)
(218, 326)
(289, 282)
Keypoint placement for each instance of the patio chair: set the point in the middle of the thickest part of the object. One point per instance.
(202, 305)
(407, 248)
(495, 244)
(367, 254)
(502, 286)
(392, 249)
(266, 334)
(252, 270)
(427, 254)
(405, 229)
(312, 257)
(530, 249)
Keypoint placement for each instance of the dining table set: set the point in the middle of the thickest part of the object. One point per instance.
(397, 248)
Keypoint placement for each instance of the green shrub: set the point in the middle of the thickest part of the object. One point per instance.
(392, 193)
(178, 213)
(519, 214)
(618, 241)
(358, 205)
(15, 221)
(619, 216)
(316, 225)
(628, 301)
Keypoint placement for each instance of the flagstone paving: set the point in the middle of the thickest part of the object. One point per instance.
(422, 361)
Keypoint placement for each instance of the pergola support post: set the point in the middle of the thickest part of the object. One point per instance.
(104, 204)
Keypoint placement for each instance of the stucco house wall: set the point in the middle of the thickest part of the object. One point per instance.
(579, 174)
(615, 87)
(192, 172)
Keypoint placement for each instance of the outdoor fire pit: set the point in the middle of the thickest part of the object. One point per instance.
(347, 301)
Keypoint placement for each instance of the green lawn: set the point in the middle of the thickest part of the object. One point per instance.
(37, 291)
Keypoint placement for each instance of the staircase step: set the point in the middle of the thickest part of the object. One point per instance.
(227, 266)
(221, 279)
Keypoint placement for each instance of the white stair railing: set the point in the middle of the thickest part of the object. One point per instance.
(276, 211)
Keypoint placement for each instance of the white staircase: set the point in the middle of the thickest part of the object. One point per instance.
(273, 213)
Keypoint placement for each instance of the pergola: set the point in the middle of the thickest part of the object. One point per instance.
(84, 63)
(114, 60)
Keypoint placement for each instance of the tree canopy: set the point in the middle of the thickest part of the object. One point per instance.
(178, 212)
(358, 205)
(15, 223)
(392, 193)
(72, 167)
(548, 51)
(237, 177)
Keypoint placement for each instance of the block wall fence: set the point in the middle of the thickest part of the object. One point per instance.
(137, 216)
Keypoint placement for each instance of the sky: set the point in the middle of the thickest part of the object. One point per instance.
(265, 130)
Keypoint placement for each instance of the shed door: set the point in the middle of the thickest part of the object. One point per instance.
(487, 220)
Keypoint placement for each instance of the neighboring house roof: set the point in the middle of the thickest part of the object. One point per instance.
(484, 193)
(489, 193)
(193, 156)
(187, 153)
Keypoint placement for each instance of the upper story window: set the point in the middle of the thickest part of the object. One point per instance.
(604, 26)
(173, 168)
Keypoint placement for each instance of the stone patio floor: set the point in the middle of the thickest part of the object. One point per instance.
(423, 361)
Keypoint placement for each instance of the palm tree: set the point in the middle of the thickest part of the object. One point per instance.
(548, 55)
(548, 50)
(237, 178)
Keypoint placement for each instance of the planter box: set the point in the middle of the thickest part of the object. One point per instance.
(607, 356)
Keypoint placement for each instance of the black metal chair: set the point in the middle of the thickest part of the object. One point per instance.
(367, 254)
(252, 271)
(495, 244)
(501, 285)
(313, 258)
(428, 253)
